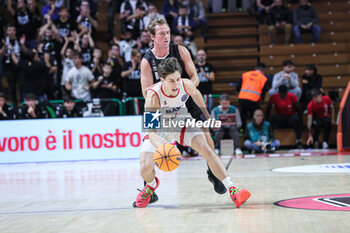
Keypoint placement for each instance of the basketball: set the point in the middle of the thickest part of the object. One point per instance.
(167, 157)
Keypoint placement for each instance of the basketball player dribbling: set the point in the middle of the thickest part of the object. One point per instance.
(169, 98)
(159, 32)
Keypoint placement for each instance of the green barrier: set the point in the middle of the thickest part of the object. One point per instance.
(120, 105)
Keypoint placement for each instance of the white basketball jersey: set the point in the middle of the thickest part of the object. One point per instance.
(171, 106)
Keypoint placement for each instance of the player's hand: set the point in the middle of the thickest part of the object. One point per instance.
(334, 122)
(310, 140)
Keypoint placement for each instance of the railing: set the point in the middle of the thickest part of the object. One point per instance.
(127, 106)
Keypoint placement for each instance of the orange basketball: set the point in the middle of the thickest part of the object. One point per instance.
(167, 157)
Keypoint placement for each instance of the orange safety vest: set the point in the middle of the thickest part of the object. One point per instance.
(252, 85)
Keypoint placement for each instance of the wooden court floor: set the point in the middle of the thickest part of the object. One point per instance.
(97, 197)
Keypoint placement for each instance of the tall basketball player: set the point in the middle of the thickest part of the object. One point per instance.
(159, 32)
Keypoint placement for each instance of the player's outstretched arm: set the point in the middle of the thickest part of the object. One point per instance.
(196, 96)
(152, 104)
(189, 65)
(146, 76)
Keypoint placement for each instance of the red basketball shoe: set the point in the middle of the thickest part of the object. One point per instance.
(239, 196)
(145, 194)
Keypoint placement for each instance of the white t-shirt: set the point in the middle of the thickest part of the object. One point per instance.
(67, 64)
(126, 49)
(133, 5)
(80, 78)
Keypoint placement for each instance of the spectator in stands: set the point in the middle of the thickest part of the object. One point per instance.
(50, 9)
(287, 113)
(112, 10)
(170, 10)
(85, 19)
(51, 46)
(117, 63)
(65, 25)
(264, 7)
(135, 23)
(259, 136)
(79, 79)
(320, 114)
(206, 73)
(31, 109)
(288, 78)
(35, 74)
(279, 18)
(197, 13)
(131, 75)
(310, 80)
(34, 9)
(92, 6)
(105, 88)
(48, 34)
(251, 91)
(86, 47)
(179, 40)
(2, 37)
(12, 45)
(25, 22)
(144, 43)
(152, 15)
(126, 45)
(68, 109)
(97, 64)
(130, 11)
(305, 19)
(230, 123)
(6, 111)
(67, 61)
(183, 25)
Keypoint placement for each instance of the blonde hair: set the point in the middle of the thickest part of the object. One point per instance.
(151, 28)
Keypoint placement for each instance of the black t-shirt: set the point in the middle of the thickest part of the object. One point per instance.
(9, 113)
(103, 92)
(25, 24)
(154, 62)
(116, 74)
(35, 76)
(205, 85)
(144, 49)
(40, 112)
(65, 28)
(86, 52)
(132, 83)
(52, 46)
(61, 112)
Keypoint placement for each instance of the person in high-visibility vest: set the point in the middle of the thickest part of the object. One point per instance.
(251, 89)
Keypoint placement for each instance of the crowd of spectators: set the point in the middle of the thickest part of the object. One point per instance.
(48, 48)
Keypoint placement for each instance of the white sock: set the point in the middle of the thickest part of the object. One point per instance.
(227, 182)
(153, 184)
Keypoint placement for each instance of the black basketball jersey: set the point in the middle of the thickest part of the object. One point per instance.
(154, 62)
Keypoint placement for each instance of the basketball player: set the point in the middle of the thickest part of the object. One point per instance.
(159, 31)
(169, 97)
